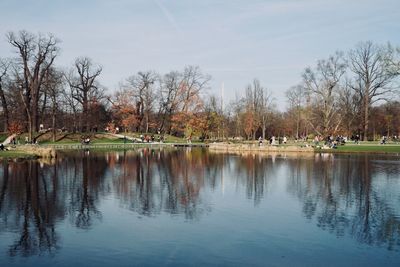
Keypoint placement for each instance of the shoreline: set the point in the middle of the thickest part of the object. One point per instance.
(349, 149)
(50, 150)
(256, 148)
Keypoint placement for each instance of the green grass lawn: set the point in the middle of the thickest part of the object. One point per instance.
(109, 141)
(96, 138)
(167, 138)
(369, 147)
(104, 138)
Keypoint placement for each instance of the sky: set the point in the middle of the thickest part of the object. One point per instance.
(234, 41)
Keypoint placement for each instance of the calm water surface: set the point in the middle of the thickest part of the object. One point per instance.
(198, 208)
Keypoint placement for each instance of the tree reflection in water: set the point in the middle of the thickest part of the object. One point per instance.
(35, 196)
(345, 195)
(254, 172)
(30, 206)
(85, 183)
(153, 181)
(349, 195)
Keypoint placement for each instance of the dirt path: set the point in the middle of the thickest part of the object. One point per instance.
(127, 137)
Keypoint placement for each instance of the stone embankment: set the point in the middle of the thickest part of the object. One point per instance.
(39, 151)
(256, 148)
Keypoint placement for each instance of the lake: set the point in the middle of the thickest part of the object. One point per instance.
(193, 207)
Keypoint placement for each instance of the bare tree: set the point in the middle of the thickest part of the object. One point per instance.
(265, 106)
(393, 59)
(323, 84)
(71, 107)
(84, 86)
(181, 93)
(214, 118)
(371, 65)
(257, 101)
(4, 66)
(296, 96)
(36, 56)
(53, 83)
(236, 109)
(169, 90)
(142, 87)
(193, 83)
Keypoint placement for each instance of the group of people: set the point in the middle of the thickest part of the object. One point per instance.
(330, 141)
(33, 142)
(85, 140)
(383, 140)
(272, 140)
(151, 138)
(356, 138)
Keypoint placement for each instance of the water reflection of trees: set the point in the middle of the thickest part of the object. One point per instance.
(345, 195)
(155, 181)
(30, 206)
(253, 171)
(85, 178)
(350, 195)
(34, 197)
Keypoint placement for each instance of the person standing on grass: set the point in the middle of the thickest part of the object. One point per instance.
(316, 140)
(357, 139)
(383, 140)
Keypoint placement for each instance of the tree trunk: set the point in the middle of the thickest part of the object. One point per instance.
(85, 113)
(366, 117)
(298, 123)
(30, 130)
(43, 109)
(53, 126)
(34, 116)
(263, 127)
(35, 107)
(147, 123)
(5, 109)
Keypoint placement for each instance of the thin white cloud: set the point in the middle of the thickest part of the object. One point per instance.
(170, 18)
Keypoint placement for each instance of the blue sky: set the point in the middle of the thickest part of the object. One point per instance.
(233, 41)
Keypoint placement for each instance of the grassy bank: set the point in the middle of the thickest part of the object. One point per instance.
(368, 148)
(106, 141)
(96, 138)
